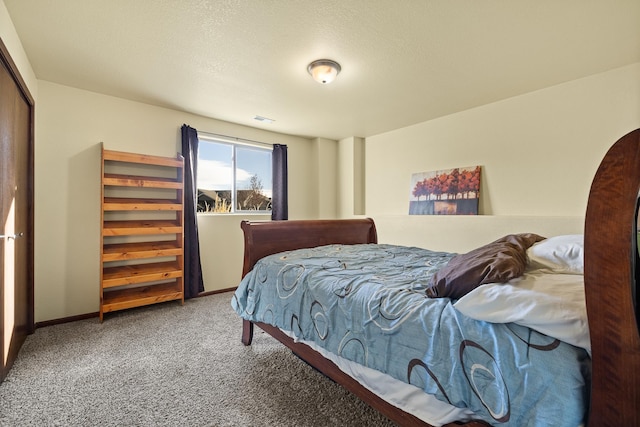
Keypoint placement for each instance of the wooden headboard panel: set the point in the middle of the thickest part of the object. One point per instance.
(262, 238)
(610, 286)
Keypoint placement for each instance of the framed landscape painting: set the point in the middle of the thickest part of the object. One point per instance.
(445, 192)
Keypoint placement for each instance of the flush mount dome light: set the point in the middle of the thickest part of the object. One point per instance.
(324, 70)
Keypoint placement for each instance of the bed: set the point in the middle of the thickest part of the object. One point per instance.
(495, 371)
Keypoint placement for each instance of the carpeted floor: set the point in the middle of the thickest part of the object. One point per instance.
(170, 365)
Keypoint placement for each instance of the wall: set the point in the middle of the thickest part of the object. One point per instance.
(71, 124)
(538, 152)
(351, 177)
(12, 42)
(324, 163)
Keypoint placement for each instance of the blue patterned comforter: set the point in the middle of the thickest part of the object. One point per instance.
(367, 303)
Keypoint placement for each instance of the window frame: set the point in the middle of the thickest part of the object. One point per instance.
(234, 143)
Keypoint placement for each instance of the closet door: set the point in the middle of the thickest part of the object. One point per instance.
(16, 213)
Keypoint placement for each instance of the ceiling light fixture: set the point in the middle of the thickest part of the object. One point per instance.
(324, 70)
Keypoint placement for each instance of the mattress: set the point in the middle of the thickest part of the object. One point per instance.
(367, 304)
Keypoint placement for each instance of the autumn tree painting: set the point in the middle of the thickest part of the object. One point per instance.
(447, 192)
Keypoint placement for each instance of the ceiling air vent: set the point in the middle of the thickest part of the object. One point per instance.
(263, 119)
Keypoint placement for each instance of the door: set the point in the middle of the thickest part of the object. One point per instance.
(16, 212)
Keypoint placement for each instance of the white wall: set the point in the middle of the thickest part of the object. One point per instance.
(71, 124)
(538, 152)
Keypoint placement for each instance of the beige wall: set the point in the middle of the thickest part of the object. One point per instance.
(351, 176)
(71, 124)
(11, 40)
(324, 163)
(538, 154)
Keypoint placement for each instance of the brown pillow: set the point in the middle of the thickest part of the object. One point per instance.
(496, 262)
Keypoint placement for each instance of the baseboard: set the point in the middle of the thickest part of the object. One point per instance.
(218, 291)
(66, 319)
(97, 314)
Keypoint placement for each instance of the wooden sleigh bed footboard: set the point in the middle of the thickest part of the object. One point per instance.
(611, 270)
(262, 238)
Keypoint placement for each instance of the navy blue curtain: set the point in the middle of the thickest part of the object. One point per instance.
(193, 283)
(279, 199)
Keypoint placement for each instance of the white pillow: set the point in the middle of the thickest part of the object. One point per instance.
(552, 304)
(559, 254)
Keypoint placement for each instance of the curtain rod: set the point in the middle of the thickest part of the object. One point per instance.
(234, 139)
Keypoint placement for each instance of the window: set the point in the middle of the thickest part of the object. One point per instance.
(233, 176)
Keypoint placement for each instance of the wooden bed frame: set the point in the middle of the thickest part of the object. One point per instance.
(611, 268)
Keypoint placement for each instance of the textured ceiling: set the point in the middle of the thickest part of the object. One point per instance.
(403, 62)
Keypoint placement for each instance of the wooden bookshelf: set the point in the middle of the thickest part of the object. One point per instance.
(142, 259)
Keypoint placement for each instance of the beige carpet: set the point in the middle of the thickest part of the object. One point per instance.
(170, 365)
